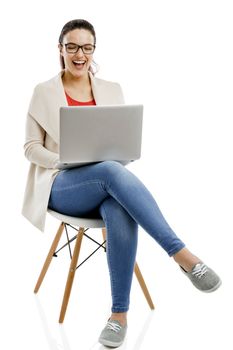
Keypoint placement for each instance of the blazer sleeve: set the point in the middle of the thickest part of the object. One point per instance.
(34, 149)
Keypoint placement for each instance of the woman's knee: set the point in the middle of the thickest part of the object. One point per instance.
(111, 165)
(110, 169)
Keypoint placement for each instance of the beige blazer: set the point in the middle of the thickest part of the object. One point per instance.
(42, 137)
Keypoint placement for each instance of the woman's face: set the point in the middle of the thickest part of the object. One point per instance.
(77, 63)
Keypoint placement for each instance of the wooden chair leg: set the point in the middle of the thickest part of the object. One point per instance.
(143, 286)
(104, 233)
(71, 274)
(49, 257)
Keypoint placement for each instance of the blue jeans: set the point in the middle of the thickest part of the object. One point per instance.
(108, 190)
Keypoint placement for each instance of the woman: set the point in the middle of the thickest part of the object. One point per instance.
(106, 189)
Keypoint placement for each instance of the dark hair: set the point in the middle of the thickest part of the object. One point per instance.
(76, 24)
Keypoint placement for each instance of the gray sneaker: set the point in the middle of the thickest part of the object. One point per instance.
(203, 277)
(113, 334)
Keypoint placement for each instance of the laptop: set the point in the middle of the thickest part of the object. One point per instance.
(90, 134)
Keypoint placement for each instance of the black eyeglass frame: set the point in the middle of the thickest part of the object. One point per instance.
(79, 47)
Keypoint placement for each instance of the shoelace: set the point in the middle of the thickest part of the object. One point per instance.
(113, 326)
(199, 270)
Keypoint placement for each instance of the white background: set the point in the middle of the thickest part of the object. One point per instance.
(176, 58)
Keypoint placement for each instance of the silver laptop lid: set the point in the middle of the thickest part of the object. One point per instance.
(98, 133)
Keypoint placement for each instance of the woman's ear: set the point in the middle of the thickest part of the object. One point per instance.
(60, 48)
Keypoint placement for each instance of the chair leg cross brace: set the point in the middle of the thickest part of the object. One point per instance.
(102, 245)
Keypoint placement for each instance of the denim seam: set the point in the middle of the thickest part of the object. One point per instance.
(111, 271)
(89, 182)
(120, 309)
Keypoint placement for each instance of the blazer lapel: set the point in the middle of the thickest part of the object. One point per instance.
(59, 101)
(96, 91)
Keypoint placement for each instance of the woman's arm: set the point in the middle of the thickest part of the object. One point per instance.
(34, 148)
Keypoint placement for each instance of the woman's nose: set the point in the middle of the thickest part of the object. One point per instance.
(80, 53)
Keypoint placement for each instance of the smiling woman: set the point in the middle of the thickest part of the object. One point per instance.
(76, 45)
(105, 189)
(70, 34)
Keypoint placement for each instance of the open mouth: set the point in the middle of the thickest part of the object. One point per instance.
(79, 64)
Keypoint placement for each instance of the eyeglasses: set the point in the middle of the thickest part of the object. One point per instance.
(87, 49)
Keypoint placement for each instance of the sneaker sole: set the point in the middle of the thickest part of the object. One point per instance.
(110, 343)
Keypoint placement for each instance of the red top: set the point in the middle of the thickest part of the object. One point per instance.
(72, 102)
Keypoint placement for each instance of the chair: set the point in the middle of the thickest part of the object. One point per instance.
(83, 224)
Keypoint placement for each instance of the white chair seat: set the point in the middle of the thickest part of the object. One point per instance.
(76, 221)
